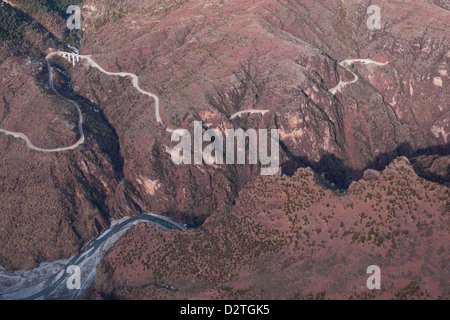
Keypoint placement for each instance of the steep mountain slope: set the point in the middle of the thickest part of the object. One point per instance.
(51, 203)
(227, 56)
(289, 238)
(207, 60)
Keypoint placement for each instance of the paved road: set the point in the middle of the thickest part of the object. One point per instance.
(238, 114)
(80, 119)
(135, 81)
(345, 64)
(93, 246)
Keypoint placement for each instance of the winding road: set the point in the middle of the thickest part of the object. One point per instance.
(91, 62)
(238, 114)
(80, 118)
(135, 82)
(88, 58)
(345, 64)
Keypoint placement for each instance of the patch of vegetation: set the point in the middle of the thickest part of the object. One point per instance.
(58, 6)
(12, 22)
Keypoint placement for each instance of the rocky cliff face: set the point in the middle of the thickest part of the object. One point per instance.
(207, 61)
(282, 56)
